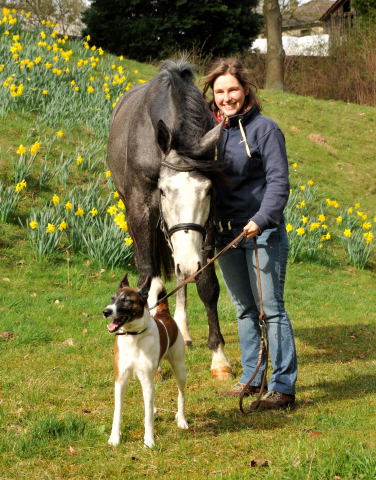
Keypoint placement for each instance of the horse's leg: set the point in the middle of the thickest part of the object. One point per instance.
(180, 315)
(208, 290)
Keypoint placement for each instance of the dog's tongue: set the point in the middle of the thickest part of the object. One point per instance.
(111, 327)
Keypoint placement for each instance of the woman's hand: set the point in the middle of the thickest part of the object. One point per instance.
(251, 229)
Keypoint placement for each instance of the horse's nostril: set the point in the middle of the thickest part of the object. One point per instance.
(107, 312)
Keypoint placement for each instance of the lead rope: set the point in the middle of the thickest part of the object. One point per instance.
(232, 244)
(263, 349)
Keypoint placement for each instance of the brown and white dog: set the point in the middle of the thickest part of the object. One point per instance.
(141, 342)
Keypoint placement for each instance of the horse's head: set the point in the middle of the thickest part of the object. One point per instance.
(185, 198)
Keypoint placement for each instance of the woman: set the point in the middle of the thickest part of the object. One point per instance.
(253, 149)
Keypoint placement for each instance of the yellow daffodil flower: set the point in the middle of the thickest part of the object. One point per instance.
(79, 212)
(347, 233)
(33, 224)
(62, 226)
(50, 228)
(68, 206)
(21, 150)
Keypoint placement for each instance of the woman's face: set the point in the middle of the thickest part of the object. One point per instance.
(229, 94)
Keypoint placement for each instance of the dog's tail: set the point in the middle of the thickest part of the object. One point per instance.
(156, 292)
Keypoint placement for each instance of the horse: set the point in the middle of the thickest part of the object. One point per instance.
(161, 157)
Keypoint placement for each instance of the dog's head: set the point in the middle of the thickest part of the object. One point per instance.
(127, 304)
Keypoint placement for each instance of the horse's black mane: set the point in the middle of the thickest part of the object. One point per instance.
(194, 116)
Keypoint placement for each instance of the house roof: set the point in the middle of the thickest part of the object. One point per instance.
(306, 14)
(331, 9)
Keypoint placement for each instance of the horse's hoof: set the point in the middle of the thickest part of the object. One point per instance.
(223, 373)
(188, 343)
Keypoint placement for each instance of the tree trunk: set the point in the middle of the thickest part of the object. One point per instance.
(275, 56)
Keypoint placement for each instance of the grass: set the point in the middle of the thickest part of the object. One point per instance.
(56, 387)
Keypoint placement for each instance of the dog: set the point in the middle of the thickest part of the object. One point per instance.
(141, 342)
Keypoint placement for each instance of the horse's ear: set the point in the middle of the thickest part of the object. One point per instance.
(163, 136)
(144, 289)
(124, 282)
(210, 139)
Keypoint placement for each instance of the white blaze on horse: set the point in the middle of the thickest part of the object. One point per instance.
(161, 155)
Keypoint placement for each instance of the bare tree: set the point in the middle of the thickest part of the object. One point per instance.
(66, 13)
(275, 56)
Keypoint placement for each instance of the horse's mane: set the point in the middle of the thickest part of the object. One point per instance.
(194, 118)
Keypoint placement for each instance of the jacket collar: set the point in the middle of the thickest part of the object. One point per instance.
(246, 117)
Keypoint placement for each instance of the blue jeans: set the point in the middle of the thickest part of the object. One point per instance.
(238, 267)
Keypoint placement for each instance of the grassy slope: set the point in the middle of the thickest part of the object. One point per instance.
(56, 396)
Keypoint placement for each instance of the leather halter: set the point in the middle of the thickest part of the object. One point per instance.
(180, 226)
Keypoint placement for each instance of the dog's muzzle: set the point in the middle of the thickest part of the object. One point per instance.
(116, 323)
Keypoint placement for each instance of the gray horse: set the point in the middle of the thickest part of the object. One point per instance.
(161, 155)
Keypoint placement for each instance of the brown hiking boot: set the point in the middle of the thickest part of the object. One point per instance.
(237, 389)
(274, 400)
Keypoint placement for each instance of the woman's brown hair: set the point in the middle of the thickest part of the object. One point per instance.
(231, 65)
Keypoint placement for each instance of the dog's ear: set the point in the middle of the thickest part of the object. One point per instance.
(124, 282)
(144, 289)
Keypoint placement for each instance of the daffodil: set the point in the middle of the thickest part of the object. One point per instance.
(20, 186)
(33, 224)
(68, 206)
(121, 205)
(50, 228)
(295, 165)
(310, 183)
(62, 226)
(339, 219)
(93, 212)
(128, 241)
(55, 199)
(112, 210)
(79, 212)
(79, 160)
(368, 237)
(35, 147)
(289, 227)
(367, 226)
(304, 220)
(302, 187)
(107, 173)
(300, 231)
(321, 218)
(60, 133)
(116, 195)
(21, 150)
(347, 233)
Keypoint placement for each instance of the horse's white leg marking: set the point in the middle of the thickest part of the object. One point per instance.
(147, 384)
(180, 315)
(220, 366)
(120, 386)
(176, 359)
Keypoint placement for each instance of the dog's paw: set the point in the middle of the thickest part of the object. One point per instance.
(114, 441)
(182, 422)
(149, 442)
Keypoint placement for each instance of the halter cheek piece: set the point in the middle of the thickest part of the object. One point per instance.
(181, 226)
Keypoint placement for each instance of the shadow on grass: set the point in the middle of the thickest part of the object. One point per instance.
(338, 343)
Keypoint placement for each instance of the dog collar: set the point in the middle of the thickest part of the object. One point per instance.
(132, 333)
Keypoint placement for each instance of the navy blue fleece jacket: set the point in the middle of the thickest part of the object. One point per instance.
(257, 187)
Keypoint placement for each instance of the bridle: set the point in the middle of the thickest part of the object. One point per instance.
(168, 232)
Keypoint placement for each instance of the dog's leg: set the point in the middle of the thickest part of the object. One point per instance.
(120, 386)
(176, 359)
(146, 380)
